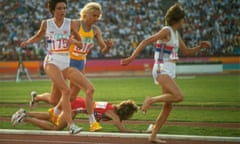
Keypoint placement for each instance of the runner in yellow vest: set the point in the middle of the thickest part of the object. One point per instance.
(88, 31)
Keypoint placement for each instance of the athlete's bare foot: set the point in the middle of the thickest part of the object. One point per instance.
(157, 141)
(146, 104)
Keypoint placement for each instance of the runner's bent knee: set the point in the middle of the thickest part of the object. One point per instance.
(178, 97)
(66, 92)
(53, 101)
(90, 91)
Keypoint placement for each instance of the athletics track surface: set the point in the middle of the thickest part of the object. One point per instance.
(8, 136)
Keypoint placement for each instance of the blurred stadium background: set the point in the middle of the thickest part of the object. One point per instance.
(127, 22)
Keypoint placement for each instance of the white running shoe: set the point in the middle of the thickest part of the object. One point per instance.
(14, 116)
(32, 101)
(74, 129)
(18, 117)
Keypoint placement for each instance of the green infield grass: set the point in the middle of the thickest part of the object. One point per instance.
(208, 99)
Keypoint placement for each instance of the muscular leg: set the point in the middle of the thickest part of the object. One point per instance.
(78, 79)
(161, 119)
(39, 115)
(41, 120)
(172, 92)
(74, 88)
(50, 98)
(74, 91)
(43, 124)
(57, 77)
(55, 96)
(42, 97)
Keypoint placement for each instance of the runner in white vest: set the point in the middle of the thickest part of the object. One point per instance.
(56, 64)
(168, 42)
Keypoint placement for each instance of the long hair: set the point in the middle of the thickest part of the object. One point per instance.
(174, 14)
(126, 109)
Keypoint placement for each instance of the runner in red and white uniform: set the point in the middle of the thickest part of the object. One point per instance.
(103, 111)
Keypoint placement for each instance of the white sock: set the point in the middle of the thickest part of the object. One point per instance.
(56, 111)
(91, 118)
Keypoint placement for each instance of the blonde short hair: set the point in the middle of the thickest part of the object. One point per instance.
(90, 7)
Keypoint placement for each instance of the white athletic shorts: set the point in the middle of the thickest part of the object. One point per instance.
(61, 60)
(169, 68)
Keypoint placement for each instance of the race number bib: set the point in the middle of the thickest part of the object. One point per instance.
(86, 47)
(101, 105)
(57, 42)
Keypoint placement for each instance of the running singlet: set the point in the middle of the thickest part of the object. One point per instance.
(57, 36)
(87, 43)
(78, 105)
(167, 51)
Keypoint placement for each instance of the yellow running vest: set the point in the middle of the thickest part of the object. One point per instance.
(87, 43)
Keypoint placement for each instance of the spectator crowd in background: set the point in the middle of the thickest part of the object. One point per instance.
(127, 22)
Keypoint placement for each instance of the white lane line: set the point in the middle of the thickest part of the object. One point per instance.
(49, 141)
(123, 135)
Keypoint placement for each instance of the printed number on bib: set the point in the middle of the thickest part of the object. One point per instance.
(59, 44)
(86, 47)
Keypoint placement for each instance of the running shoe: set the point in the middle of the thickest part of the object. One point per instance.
(74, 129)
(53, 116)
(19, 116)
(57, 122)
(14, 116)
(95, 127)
(32, 101)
